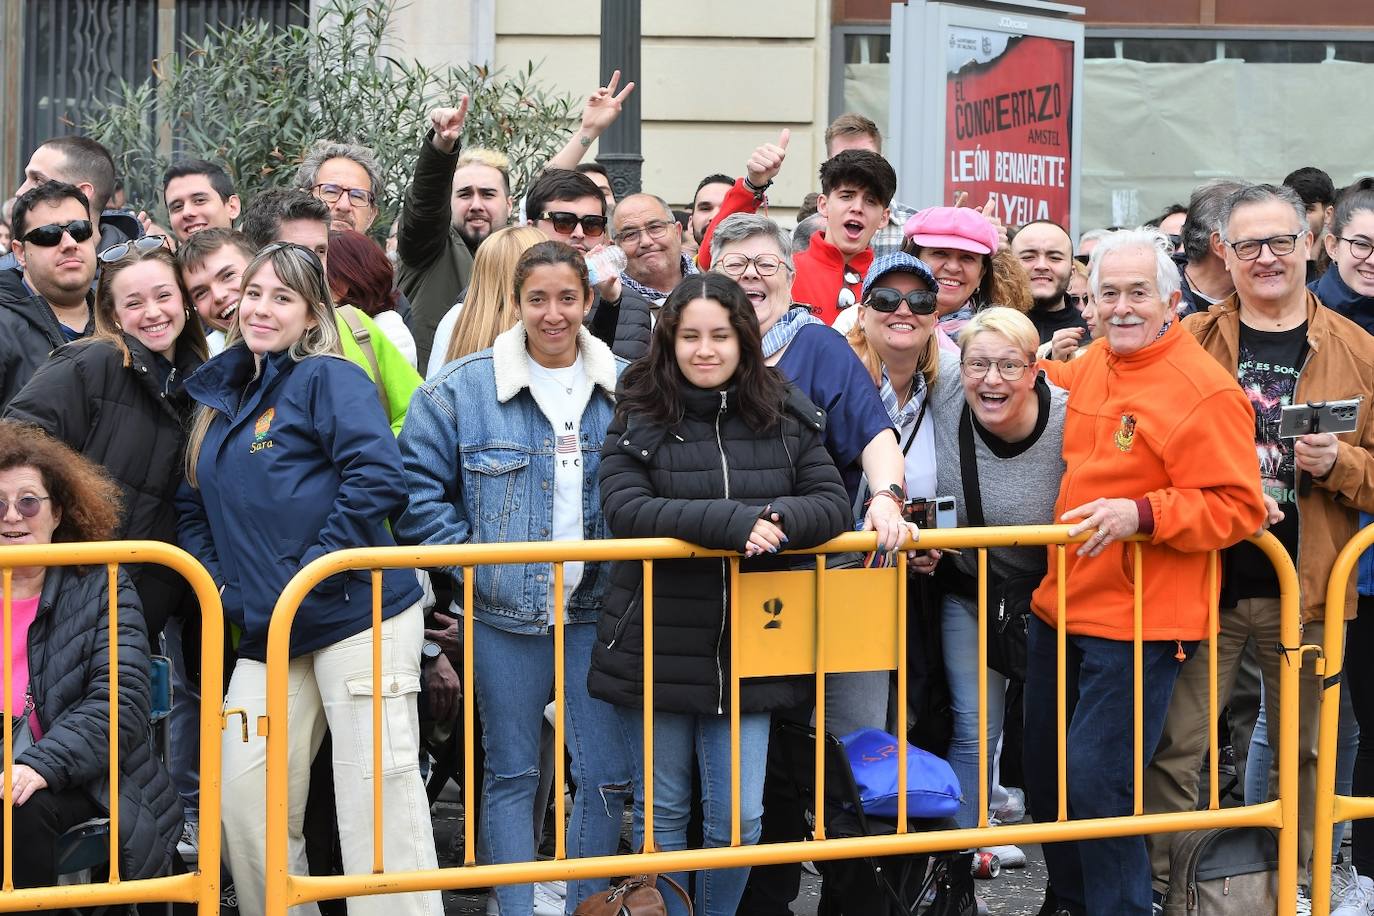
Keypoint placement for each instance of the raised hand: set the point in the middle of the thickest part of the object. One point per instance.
(604, 106)
(766, 161)
(448, 125)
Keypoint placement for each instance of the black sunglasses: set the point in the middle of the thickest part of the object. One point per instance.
(564, 223)
(50, 235)
(146, 243)
(886, 299)
(311, 258)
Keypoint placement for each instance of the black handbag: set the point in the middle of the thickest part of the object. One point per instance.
(1009, 599)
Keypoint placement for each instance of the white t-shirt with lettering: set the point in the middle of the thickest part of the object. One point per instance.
(562, 394)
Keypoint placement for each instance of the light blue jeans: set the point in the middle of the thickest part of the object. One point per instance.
(959, 631)
(678, 739)
(514, 675)
(1261, 758)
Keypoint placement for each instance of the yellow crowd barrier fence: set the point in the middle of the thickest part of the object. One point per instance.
(1333, 809)
(838, 620)
(199, 887)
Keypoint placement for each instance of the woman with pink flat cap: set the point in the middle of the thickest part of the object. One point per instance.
(964, 251)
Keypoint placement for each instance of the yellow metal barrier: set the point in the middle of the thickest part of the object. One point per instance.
(202, 886)
(1332, 809)
(840, 620)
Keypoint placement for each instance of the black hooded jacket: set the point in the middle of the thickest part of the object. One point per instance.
(131, 421)
(707, 480)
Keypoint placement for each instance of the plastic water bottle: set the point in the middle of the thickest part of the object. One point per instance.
(604, 264)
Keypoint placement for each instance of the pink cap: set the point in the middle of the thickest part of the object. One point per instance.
(952, 227)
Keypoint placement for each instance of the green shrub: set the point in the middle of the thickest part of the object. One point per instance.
(254, 97)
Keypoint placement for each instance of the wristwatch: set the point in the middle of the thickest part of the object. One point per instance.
(430, 651)
(897, 491)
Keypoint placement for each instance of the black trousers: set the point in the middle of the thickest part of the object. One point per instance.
(1359, 680)
(38, 823)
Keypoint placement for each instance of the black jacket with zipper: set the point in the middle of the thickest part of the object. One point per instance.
(69, 679)
(29, 331)
(132, 422)
(707, 480)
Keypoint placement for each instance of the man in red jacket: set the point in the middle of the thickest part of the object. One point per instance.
(856, 190)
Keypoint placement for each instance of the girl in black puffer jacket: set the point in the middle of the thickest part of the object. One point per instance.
(711, 446)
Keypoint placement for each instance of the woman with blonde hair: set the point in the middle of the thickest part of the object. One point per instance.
(291, 457)
(489, 309)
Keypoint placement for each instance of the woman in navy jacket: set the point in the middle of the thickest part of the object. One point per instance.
(290, 458)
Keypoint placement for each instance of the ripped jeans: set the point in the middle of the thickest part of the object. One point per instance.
(514, 675)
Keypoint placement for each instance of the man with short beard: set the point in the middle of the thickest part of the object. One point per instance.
(54, 248)
(1046, 252)
(433, 255)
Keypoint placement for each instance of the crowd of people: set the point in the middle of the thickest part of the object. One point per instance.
(247, 385)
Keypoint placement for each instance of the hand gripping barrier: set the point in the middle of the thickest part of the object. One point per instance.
(200, 887)
(839, 620)
(1332, 808)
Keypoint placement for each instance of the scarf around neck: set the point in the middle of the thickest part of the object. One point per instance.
(786, 328)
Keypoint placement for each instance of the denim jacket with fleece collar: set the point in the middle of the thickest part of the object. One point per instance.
(479, 465)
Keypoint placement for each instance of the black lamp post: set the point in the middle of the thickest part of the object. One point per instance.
(620, 146)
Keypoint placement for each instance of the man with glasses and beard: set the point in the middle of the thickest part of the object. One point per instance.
(54, 246)
(1284, 348)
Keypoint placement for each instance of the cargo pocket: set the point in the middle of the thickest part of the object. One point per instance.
(400, 722)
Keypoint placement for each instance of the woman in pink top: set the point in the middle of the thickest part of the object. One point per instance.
(60, 670)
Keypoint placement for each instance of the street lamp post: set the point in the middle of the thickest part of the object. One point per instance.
(620, 146)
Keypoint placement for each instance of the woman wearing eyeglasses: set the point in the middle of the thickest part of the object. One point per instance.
(291, 457)
(118, 398)
(1000, 423)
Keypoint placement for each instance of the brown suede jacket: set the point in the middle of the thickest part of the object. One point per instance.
(1339, 364)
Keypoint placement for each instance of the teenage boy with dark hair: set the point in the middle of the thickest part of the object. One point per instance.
(211, 263)
(199, 195)
(857, 186)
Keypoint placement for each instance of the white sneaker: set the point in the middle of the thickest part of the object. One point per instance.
(1351, 894)
(549, 897)
(1304, 907)
(189, 844)
(1011, 856)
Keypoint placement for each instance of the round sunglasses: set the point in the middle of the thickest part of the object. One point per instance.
(27, 506)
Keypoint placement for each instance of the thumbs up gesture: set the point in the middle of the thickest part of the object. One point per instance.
(766, 161)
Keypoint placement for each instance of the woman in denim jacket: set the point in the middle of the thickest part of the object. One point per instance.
(504, 445)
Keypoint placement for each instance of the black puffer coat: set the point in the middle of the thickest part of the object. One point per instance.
(707, 480)
(69, 676)
(29, 331)
(624, 326)
(127, 419)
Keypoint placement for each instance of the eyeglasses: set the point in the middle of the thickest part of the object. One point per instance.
(1009, 369)
(1279, 246)
(564, 223)
(886, 299)
(147, 243)
(50, 236)
(330, 194)
(1076, 300)
(310, 257)
(28, 506)
(655, 230)
(1360, 248)
(734, 265)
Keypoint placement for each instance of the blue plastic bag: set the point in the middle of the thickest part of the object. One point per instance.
(932, 788)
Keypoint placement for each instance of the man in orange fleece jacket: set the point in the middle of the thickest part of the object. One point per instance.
(1158, 440)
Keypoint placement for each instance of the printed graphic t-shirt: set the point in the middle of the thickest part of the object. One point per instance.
(1268, 374)
(564, 410)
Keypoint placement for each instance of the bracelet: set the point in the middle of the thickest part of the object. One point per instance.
(757, 189)
(889, 494)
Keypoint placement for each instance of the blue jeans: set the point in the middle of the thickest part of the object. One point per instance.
(514, 675)
(1100, 749)
(677, 739)
(1261, 757)
(959, 630)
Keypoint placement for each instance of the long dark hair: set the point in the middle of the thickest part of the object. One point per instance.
(652, 387)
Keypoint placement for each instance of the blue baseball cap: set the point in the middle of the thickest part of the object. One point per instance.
(898, 262)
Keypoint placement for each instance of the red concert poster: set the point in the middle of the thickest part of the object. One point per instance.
(1008, 127)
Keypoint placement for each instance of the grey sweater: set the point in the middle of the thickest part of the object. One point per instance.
(1019, 481)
